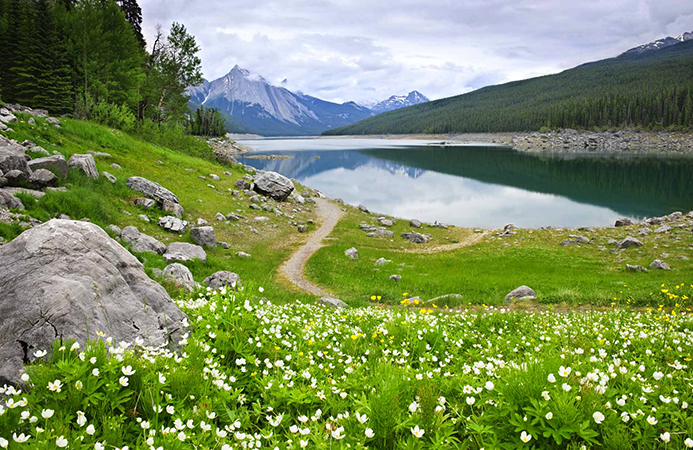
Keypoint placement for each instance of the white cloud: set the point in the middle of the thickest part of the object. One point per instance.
(364, 50)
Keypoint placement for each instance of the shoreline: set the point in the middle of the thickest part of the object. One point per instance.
(563, 141)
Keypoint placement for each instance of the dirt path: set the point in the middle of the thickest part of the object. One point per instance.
(329, 214)
(447, 247)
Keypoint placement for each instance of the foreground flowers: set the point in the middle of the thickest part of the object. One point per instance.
(250, 374)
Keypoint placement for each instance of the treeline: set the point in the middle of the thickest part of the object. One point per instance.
(207, 122)
(651, 91)
(89, 59)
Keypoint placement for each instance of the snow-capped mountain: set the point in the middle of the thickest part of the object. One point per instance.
(266, 109)
(400, 101)
(659, 44)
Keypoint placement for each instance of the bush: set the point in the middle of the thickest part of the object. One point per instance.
(113, 116)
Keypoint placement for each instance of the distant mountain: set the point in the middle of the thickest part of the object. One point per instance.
(400, 101)
(259, 107)
(650, 89)
(659, 44)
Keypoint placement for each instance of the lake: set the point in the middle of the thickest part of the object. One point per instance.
(483, 186)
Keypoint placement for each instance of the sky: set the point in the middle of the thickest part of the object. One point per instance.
(368, 50)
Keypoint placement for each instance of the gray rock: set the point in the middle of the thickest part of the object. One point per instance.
(254, 199)
(220, 217)
(580, 239)
(115, 166)
(628, 242)
(363, 209)
(31, 121)
(180, 276)
(7, 117)
(140, 242)
(224, 245)
(144, 217)
(273, 185)
(115, 229)
(352, 253)
(635, 268)
(395, 278)
(85, 163)
(56, 164)
(242, 184)
(12, 157)
(659, 264)
(39, 150)
(69, 280)
(416, 238)
(173, 208)
(214, 177)
(302, 228)
(386, 222)
(53, 121)
(380, 232)
(8, 200)
(174, 224)
(521, 293)
(42, 178)
(623, 222)
(16, 178)
(183, 251)
(243, 255)
(663, 229)
(333, 302)
(233, 216)
(202, 222)
(146, 203)
(109, 177)
(382, 261)
(204, 236)
(151, 189)
(414, 223)
(222, 279)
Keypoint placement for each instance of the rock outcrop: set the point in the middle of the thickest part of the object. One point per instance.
(151, 189)
(56, 164)
(85, 163)
(69, 280)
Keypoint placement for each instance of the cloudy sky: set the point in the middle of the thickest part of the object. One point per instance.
(366, 50)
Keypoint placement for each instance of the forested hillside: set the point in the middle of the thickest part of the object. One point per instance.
(652, 90)
(88, 59)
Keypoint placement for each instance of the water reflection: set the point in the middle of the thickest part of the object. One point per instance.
(484, 186)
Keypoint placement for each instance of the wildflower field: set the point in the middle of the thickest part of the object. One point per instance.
(252, 374)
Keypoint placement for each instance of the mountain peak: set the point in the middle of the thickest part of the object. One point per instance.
(400, 101)
(659, 44)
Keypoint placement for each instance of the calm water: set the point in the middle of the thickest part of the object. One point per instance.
(483, 186)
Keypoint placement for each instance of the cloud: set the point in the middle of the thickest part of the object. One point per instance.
(366, 50)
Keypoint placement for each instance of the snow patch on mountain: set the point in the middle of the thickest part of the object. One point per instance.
(660, 44)
(400, 101)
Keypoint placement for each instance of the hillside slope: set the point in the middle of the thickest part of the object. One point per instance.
(649, 89)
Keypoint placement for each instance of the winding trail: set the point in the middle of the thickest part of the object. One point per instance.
(329, 214)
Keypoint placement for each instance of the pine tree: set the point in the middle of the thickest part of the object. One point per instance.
(133, 14)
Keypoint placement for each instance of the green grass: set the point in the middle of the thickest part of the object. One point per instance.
(485, 272)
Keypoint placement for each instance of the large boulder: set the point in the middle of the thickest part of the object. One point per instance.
(416, 238)
(56, 164)
(628, 242)
(521, 293)
(180, 276)
(8, 200)
(204, 236)
(151, 189)
(173, 208)
(13, 157)
(182, 251)
(222, 279)
(69, 280)
(85, 163)
(42, 178)
(274, 185)
(140, 242)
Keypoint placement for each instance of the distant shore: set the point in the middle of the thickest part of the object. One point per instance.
(567, 141)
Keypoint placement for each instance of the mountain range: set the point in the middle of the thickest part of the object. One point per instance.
(251, 104)
(649, 86)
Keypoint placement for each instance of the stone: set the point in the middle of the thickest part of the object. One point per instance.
(416, 238)
(42, 178)
(222, 279)
(214, 177)
(53, 121)
(146, 203)
(414, 223)
(243, 255)
(352, 253)
(180, 276)
(115, 166)
(635, 268)
(380, 232)
(85, 163)
(333, 302)
(580, 239)
(151, 189)
(56, 164)
(521, 293)
(115, 229)
(174, 224)
(8, 200)
(261, 219)
(140, 242)
(183, 251)
(302, 228)
(663, 229)
(395, 278)
(386, 222)
(224, 245)
(12, 157)
(254, 199)
(144, 217)
(39, 150)
(7, 117)
(623, 222)
(69, 280)
(16, 177)
(381, 261)
(242, 184)
(201, 222)
(363, 209)
(233, 216)
(628, 242)
(109, 177)
(31, 121)
(659, 264)
(510, 227)
(273, 185)
(220, 217)
(204, 236)
(173, 208)
(298, 198)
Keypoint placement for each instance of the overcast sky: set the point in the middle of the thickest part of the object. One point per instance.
(365, 50)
